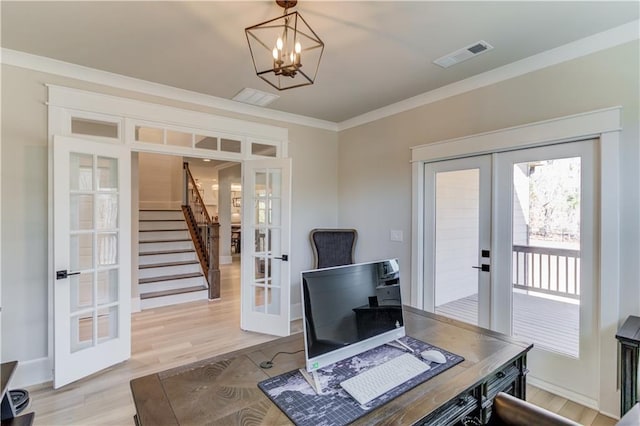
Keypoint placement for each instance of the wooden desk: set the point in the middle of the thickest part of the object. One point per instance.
(223, 390)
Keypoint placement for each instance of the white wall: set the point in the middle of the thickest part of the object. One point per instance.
(160, 181)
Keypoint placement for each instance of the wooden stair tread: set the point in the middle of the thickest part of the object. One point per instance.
(152, 253)
(161, 265)
(172, 292)
(169, 277)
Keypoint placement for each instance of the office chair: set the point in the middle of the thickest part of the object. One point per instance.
(333, 247)
(508, 410)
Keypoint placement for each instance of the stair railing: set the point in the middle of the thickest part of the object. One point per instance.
(205, 233)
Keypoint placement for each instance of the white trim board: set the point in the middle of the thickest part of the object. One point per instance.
(571, 127)
(99, 103)
(595, 43)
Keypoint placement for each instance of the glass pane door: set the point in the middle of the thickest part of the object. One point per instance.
(546, 253)
(459, 195)
(545, 280)
(92, 257)
(265, 266)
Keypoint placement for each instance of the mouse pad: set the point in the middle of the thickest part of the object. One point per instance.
(297, 399)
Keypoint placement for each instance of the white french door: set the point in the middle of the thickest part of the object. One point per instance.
(91, 257)
(265, 287)
(545, 238)
(458, 239)
(529, 216)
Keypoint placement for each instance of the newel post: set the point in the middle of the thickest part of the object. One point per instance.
(214, 260)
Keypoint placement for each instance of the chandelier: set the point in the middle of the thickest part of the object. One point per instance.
(281, 46)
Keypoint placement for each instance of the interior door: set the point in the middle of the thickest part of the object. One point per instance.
(265, 246)
(457, 239)
(91, 257)
(546, 234)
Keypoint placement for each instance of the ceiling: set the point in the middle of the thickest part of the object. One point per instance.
(376, 53)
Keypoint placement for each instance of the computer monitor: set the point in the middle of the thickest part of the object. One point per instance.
(350, 309)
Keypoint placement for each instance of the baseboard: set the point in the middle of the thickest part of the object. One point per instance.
(225, 260)
(32, 372)
(565, 393)
(135, 304)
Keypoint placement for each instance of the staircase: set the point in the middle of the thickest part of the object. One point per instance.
(168, 268)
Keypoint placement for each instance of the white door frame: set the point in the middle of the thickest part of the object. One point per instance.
(66, 104)
(604, 124)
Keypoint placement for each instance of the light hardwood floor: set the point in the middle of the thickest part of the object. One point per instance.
(168, 337)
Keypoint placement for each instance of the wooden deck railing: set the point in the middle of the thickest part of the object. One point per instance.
(547, 270)
(205, 233)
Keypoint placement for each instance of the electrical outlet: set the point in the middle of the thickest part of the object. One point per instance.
(395, 235)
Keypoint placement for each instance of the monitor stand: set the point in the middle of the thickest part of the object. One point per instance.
(312, 379)
(399, 345)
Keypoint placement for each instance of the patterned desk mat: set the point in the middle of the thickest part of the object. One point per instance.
(297, 399)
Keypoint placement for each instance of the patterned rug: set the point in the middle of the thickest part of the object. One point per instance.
(297, 399)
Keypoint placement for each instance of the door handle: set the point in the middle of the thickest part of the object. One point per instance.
(284, 258)
(61, 275)
(483, 268)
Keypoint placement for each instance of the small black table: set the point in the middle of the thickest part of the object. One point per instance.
(629, 337)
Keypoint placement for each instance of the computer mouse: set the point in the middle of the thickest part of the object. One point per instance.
(432, 355)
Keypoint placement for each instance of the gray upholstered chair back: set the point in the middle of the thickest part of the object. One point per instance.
(333, 247)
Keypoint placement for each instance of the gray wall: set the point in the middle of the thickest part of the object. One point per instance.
(24, 156)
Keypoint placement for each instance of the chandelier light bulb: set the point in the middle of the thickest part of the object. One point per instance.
(298, 47)
(279, 43)
(275, 53)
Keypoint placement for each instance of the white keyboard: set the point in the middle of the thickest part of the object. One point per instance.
(382, 378)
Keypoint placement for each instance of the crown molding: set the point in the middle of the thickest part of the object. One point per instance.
(588, 45)
(105, 78)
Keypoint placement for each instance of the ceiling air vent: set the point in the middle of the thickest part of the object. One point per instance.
(255, 97)
(463, 54)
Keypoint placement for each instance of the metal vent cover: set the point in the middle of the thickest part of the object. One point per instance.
(463, 54)
(255, 97)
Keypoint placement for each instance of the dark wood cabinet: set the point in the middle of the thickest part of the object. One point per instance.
(629, 337)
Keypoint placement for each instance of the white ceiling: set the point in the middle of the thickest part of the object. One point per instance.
(376, 53)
